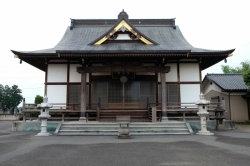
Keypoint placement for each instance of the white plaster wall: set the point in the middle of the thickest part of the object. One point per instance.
(57, 93)
(172, 75)
(74, 76)
(189, 92)
(210, 87)
(57, 73)
(189, 72)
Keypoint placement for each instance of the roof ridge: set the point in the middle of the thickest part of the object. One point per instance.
(209, 74)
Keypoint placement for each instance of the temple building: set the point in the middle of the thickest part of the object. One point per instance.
(123, 64)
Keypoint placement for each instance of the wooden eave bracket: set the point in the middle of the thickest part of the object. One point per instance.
(111, 69)
(128, 27)
(16, 56)
(231, 54)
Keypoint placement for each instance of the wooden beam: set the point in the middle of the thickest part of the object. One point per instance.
(110, 69)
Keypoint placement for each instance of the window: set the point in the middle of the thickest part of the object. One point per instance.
(75, 94)
(172, 93)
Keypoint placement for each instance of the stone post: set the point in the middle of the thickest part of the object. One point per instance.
(202, 106)
(44, 115)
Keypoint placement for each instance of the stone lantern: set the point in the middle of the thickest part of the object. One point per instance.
(202, 106)
(44, 115)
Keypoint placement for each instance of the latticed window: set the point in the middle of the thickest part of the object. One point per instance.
(172, 93)
(75, 94)
(115, 92)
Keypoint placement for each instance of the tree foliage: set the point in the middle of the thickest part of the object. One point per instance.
(38, 99)
(246, 77)
(244, 66)
(244, 69)
(10, 97)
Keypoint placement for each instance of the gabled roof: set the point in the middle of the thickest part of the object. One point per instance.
(161, 38)
(79, 36)
(123, 22)
(228, 82)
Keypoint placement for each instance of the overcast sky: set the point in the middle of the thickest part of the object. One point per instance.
(31, 25)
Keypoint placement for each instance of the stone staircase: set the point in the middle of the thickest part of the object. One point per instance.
(138, 128)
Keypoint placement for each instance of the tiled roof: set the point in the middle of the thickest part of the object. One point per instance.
(228, 82)
(164, 32)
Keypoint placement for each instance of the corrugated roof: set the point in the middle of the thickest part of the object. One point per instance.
(228, 82)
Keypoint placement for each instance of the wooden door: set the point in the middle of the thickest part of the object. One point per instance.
(123, 96)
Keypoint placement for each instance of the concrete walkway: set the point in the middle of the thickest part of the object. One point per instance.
(25, 149)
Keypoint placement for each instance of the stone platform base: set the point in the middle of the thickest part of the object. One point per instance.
(43, 134)
(204, 133)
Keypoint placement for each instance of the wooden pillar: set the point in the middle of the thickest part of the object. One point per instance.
(163, 95)
(83, 95)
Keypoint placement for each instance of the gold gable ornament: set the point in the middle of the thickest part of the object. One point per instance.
(123, 26)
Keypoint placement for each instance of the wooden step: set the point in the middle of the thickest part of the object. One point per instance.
(135, 115)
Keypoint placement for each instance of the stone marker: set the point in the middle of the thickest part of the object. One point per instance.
(44, 115)
(202, 105)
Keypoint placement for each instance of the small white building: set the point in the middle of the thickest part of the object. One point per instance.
(231, 90)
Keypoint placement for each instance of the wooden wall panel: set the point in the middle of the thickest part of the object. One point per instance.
(239, 111)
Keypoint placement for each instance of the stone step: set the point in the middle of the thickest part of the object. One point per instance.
(142, 128)
(115, 134)
(115, 123)
(132, 120)
(130, 126)
(131, 130)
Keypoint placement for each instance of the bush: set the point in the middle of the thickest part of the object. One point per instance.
(38, 99)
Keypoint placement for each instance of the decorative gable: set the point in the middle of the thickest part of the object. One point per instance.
(123, 31)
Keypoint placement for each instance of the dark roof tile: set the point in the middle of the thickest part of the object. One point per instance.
(228, 82)
(167, 38)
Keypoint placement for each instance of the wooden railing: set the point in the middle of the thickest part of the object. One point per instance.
(31, 112)
(155, 111)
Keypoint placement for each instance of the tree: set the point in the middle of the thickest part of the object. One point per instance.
(244, 69)
(10, 97)
(38, 99)
(246, 77)
(244, 66)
